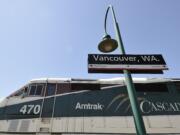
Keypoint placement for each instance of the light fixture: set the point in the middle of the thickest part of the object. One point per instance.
(107, 44)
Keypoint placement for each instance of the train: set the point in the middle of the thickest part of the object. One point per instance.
(66, 106)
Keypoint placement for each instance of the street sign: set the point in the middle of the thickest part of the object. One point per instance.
(100, 63)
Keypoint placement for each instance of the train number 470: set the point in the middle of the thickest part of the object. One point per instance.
(29, 109)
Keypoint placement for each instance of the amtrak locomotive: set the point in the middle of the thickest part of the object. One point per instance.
(58, 106)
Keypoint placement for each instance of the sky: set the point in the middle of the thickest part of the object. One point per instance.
(52, 38)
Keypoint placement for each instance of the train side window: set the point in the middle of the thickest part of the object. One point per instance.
(19, 93)
(177, 84)
(39, 90)
(151, 87)
(51, 88)
(63, 88)
(25, 92)
(84, 86)
(32, 90)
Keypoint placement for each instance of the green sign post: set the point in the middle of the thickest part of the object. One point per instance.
(108, 45)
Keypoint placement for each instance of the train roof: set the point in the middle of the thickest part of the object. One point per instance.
(111, 80)
(140, 80)
(120, 80)
(60, 80)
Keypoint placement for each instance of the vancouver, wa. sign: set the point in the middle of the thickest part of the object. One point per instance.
(100, 63)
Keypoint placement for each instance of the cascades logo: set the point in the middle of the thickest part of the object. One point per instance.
(149, 106)
(146, 106)
(89, 106)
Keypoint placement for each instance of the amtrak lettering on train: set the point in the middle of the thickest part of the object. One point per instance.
(89, 106)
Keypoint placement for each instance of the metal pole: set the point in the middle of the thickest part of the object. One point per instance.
(139, 124)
